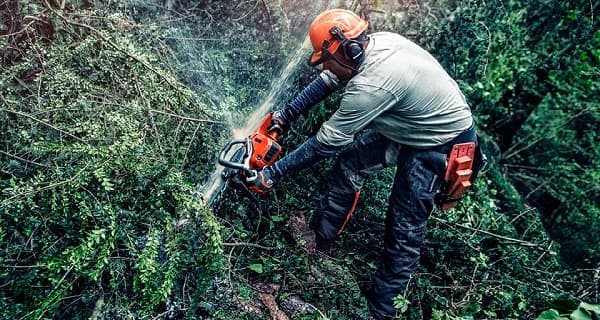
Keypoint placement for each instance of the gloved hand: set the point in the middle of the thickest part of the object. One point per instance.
(261, 181)
(279, 122)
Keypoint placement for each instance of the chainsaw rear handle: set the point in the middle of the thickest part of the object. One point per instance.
(236, 165)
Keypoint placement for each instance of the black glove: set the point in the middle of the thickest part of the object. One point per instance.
(261, 181)
(279, 122)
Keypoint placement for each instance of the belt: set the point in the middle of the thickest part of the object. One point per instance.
(468, 135)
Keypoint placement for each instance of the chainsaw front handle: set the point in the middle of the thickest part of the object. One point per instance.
(242, 165)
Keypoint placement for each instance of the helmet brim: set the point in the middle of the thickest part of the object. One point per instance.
(317, 57)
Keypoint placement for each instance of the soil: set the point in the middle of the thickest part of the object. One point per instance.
(301, 232)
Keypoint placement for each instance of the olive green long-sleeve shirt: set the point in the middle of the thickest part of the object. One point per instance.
(404, 93)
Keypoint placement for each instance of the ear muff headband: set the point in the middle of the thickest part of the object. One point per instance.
(353, 50)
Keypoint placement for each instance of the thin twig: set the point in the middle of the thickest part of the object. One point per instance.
(192, 39)
(24, 160)
(247, 13)
(152, 123)
(513, 151)
(6, 201)
(23, 267)
(487, 50)
(44, 123)
(511, 240)
(55, 288)
(186, 118)
(246, 244)
(190, 144)
(520, 215)
(323, 316)
(543, 254)
(534, 190)
(17, 32)
(591, 13)
(268, 12)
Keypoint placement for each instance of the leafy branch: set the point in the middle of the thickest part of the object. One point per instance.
(50, 186)
(23, 160)
(511, 152)
(508, 240)
(44, 123)
(111, 43)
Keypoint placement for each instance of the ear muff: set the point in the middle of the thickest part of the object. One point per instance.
(353, 50)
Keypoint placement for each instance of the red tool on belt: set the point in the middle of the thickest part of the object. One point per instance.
(458, 174)
(258, 150)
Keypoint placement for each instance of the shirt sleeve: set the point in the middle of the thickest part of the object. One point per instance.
(360, 104)
(331, 80)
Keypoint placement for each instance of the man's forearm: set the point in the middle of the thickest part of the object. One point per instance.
(309, 153)
(316, 91)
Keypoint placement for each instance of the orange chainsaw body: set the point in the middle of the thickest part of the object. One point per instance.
(265, 148)
(258, 150)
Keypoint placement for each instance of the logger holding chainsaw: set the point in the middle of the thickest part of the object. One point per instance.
(399, 108)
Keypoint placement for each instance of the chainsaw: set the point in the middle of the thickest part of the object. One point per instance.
(260, 149)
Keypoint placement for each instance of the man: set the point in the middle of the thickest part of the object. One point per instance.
(399, 108)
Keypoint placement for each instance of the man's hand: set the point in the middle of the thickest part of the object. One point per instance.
(279, 122)
(261, 181)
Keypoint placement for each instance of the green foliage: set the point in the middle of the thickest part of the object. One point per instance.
(563, 132)
(95, 148)
(584, 311)
(533, 85)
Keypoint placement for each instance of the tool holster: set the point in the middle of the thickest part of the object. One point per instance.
(465, 160)
(458, 174)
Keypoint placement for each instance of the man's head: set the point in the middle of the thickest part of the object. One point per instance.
(337, 35)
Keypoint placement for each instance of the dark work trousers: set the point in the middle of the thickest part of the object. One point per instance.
(418, 178)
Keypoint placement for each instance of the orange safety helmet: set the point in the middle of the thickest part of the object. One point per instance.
(347, 21)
